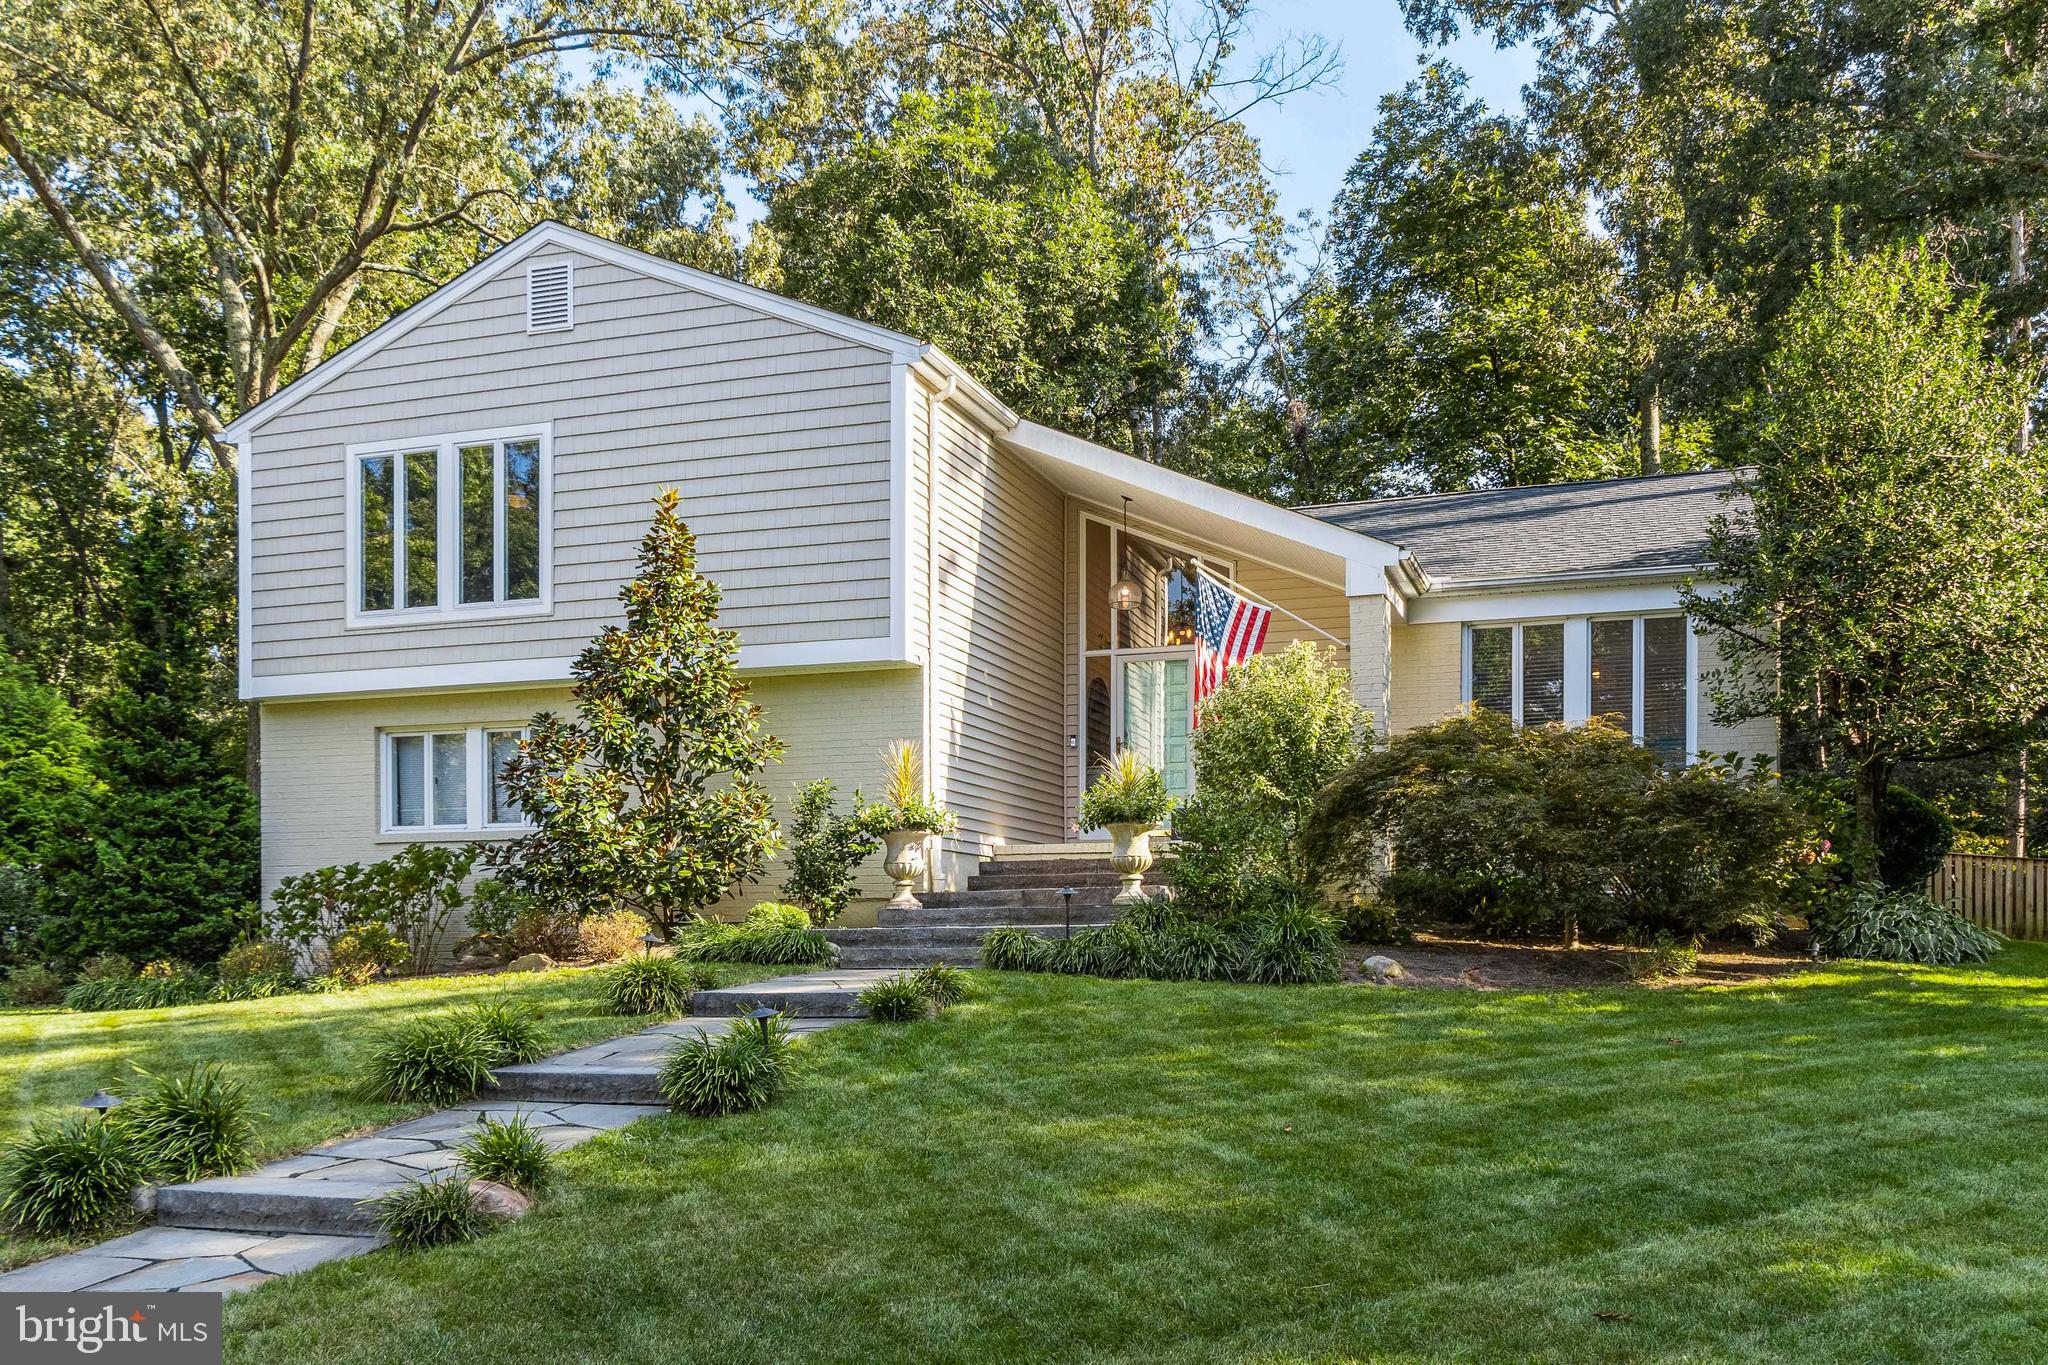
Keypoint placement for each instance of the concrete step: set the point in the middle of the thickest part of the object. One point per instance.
(829, 993)
(1022, 897)
(1004, 878)
(899, 960)
(958, 944)
(1032, 852)
(991, 916)
(248, 1203)
(582, 1084)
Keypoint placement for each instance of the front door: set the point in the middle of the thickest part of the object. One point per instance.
(1155, 703)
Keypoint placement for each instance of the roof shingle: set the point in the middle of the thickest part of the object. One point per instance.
(1602, 526)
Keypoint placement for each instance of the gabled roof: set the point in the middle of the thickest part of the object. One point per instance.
(1599, 528)
(905, 349)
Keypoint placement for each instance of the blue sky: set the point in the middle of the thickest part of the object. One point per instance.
(1313, 138)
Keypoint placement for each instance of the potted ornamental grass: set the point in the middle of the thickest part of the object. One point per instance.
(909, 817)
(1129, 799)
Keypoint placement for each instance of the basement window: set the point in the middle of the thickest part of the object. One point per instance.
(448, 780)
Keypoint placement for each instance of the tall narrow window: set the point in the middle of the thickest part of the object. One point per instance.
(379, 511)
(422, 529)
(522, 520)
(501, 747)
(1664, 687)
(1493, 668)
(451, 779)
(479, 524)
(408, 781)
(1614, 673)
(1543, 673)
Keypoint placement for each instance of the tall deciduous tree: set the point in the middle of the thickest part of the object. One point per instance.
(1889, 577)
(962, 224)
(298, 156)
(646, 800)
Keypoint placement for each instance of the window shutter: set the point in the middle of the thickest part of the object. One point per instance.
(550, 298)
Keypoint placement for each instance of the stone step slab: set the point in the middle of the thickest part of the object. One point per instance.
(829, 994)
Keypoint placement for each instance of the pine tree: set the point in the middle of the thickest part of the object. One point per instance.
(166, 865)
(646, 800)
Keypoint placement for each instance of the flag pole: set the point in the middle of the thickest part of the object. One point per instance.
(1242, 590)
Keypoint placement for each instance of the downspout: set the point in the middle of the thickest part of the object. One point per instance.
(932, 402)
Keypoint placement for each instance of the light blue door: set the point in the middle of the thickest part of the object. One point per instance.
(1157, 708)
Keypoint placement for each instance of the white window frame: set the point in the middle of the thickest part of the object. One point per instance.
(448, 528)
(1578, 666)
(476, 779)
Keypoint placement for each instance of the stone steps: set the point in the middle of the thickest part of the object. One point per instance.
(827, 994)
(923, 944)
(1017, 879)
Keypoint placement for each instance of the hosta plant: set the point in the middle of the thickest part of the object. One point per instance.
(1901, 926)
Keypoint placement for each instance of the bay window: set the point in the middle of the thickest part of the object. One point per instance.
(448, 780)
(448, 526)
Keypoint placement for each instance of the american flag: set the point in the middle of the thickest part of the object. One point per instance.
(1228, 630)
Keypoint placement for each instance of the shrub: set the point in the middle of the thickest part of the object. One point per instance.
(1900, 926)
(34, 984)
(536, 929)
(742, 1069)
(493, 907)
(771, 936)
(137, 992)
(1010, 949)
(514, 1025)
(1198, 950)
(255, 957)
(358, 956)
(69, 1174)
(510, 1152)
(1270, 739)
(433, 1061)
(1290, 943)
(944, 984)
(106, 967)
(191, 1126)
(22, 905)
(652, 985)
(256, 987)
(1661, 956)
(1549, 827)
(1128, 791)
(896, 1000)
(430, 1214)
(407, 897)
(1913, 838)
(612, 935)
(1368, 919)
(825, 847)
(162, 969)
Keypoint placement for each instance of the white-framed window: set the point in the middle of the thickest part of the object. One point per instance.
(1641, 679)
(450, 525)
(1636, 672)
(1517, 669)
(447, 780)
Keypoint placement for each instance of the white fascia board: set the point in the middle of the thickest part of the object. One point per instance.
(1585, 599)
(951, 376)
(1366, 559)
(903, 349)
(802, 657)
(245, 573)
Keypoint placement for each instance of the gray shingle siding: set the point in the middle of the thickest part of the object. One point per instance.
(1604, 526)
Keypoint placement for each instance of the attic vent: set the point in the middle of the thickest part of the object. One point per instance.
(550, 298)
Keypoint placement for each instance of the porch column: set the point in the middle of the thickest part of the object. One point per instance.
(1372, 657)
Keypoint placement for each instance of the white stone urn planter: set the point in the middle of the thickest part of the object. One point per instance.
(903, 860)
(1130, 853)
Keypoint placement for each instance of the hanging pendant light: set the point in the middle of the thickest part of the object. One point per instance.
(1125, 592)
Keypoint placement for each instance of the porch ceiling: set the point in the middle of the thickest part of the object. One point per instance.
(1202, 511)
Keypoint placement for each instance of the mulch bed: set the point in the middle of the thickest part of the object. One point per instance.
(1447, 958)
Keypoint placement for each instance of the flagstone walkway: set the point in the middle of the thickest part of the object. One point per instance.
(233, 1232)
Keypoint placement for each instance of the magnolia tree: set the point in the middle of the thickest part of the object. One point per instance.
(1889, 583)
(646, 799)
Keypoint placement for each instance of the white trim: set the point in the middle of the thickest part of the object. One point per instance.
(1572, 578)
(797, 657)
(1614, 600)
(448, 531)
(245, 573)
(1692, 690)
(899, 510)
(476, 778)
(902, 348)
(1361, 553)
(568, 322)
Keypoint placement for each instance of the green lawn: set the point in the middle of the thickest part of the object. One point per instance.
(1842, 1166)
(297, 1054)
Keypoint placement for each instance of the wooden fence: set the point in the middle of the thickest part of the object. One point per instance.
(2006, 894)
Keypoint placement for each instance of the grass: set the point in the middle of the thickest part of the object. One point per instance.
(299, 1056)
(1837, 1166)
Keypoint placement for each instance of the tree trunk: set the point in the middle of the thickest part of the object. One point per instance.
(2016, 821)
(1653, 424)
(1873, 775)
